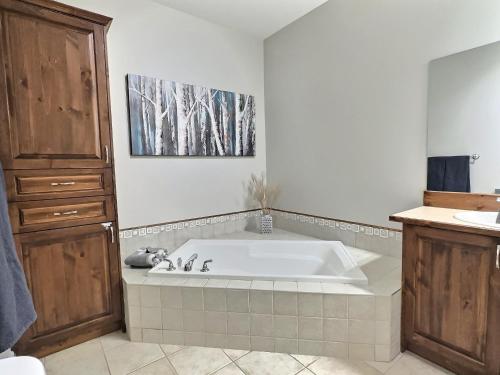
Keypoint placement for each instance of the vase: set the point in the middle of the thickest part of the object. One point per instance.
(266, 224)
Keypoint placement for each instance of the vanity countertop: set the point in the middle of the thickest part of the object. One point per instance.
(443, 218)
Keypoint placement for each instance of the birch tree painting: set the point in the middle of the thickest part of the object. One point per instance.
(172, 118)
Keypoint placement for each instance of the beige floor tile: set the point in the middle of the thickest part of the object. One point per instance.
(230, 369)
(171, 349)
(81, 350)
(196, 360)
(132, 356)
(410, 364)
(162, 367)
(305, 372)
(83, 359)
(113, 340)
(260, 363)
(306, 360)
(338, 366)
(383, 367)
(234, 354)
(124, 357)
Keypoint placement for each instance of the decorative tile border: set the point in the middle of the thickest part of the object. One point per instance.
(189, 223)
(386, 241)
(369, 230)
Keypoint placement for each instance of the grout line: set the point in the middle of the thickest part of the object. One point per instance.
(313, 362)
(177, 351)
(236, 364)
(146, 365)
(150, 363)
(237, 359)
(394, 361)
(227, 364)
(104, 354)
(171, 364)
(303, 366)
(220, 368)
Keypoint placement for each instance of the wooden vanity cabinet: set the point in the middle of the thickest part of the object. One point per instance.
(56, 151)
(451, 298)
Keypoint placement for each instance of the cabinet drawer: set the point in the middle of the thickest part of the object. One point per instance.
(60, 213)
(50, 184)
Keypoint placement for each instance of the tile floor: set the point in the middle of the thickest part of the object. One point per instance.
(113, 354)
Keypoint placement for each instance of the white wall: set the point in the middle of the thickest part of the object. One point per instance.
(346, 90)
(151, 39)
(464, 111)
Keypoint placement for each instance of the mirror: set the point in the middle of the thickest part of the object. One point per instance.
(464, 120)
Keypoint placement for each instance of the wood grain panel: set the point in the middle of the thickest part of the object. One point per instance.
(462, 201)
(34, 185)
(60, 213)
(452, 295)
(25, 185)
(56, 90)
(51, 6)
(52, 214)
(448, 310)
(74, 277)
(54, 86)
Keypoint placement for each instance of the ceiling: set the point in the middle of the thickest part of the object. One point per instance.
(260, 18)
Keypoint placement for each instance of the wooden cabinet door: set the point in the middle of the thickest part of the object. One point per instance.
(73, 275)
(449, 305)
(53, 90)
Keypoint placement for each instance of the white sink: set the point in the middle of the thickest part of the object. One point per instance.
(487, 219)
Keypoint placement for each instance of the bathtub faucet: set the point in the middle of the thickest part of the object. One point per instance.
(189, 263)
(170, 267)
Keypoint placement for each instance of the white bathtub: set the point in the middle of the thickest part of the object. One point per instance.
(321, 261)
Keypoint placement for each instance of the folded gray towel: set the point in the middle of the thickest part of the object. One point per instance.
(146, 257)
(16, 306)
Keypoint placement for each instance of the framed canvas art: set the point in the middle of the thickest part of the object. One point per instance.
(176, 119)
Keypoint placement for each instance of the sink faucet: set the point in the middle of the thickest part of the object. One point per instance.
(189, 263)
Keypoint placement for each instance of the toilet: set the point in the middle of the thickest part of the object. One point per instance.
(21, 366)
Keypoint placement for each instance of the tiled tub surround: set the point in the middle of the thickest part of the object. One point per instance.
(339, 320)
(380, 240)
(173, 235)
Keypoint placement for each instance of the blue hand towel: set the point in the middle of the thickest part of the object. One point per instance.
(448, 173)
(16, 305)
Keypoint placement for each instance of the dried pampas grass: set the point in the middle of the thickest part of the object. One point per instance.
(262, 193)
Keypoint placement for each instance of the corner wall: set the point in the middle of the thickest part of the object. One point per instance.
(151, 39)
(346, 98)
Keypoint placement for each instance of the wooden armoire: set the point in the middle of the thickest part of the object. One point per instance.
(56, 152)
